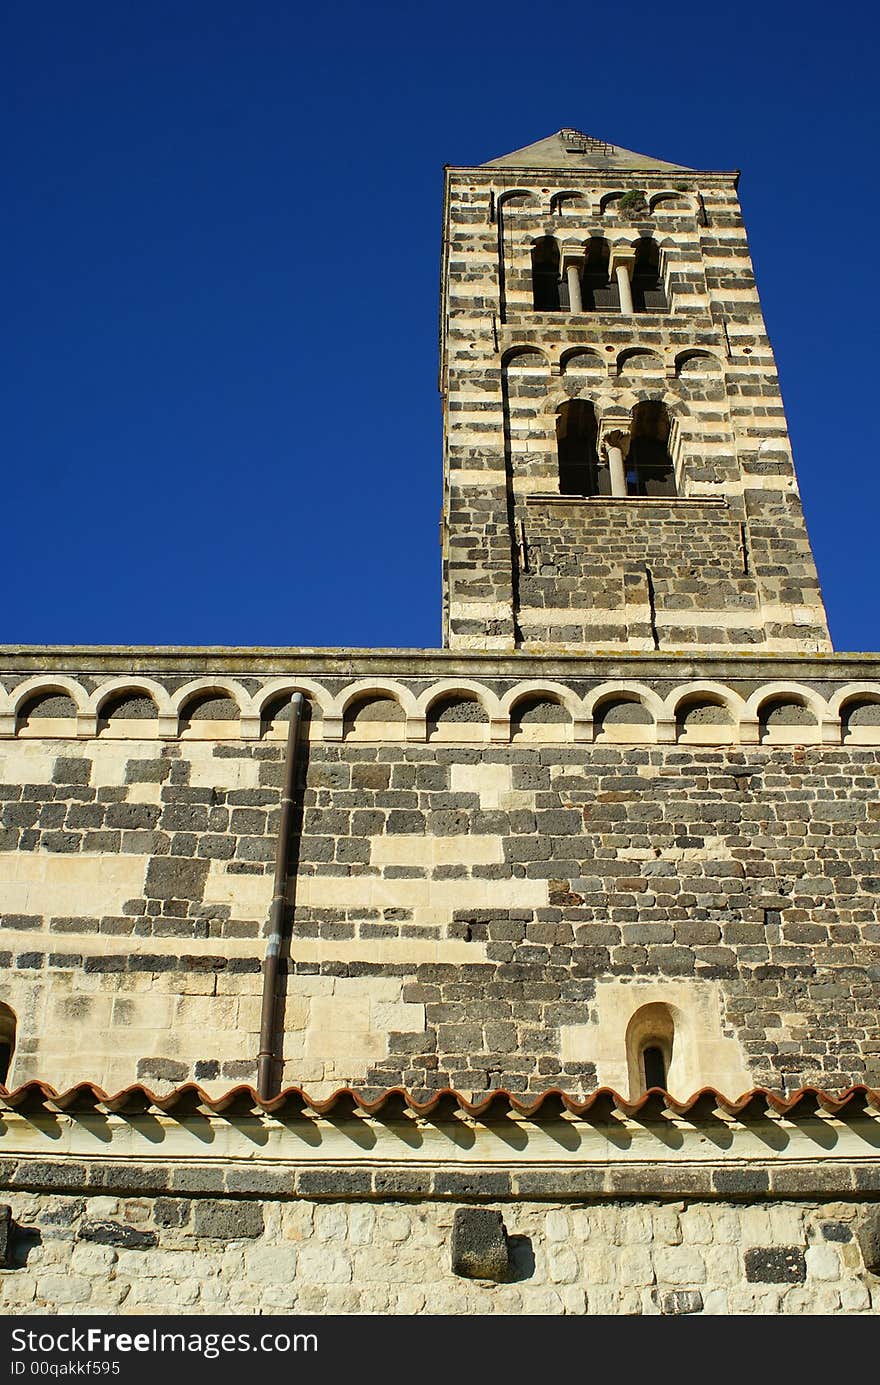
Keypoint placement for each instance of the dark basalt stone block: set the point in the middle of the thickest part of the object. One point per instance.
(480, 1247)
(775, 1265)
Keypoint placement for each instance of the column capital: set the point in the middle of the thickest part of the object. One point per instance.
(621, 257)
(614, 431)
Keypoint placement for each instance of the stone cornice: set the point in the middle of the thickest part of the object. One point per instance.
(428, 663)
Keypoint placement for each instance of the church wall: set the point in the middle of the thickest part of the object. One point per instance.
(175, 1254)
(487, 908)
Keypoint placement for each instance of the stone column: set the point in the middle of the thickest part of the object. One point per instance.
(621, 264)
(575, 300)
(614, 445)
(616, 468)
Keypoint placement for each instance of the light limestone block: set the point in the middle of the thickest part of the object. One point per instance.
(679, 1265)
(63, 1288)
(823, 1262)
(321, 1265)
(248, 895)
(556, 1227)
(41, 882)
(465, 849)
(271, 1264)
(209, 771)
(90, 1259)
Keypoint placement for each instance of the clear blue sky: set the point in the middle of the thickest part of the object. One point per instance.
(222, 235)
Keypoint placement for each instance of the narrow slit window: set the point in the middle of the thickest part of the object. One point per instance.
(653, 1067)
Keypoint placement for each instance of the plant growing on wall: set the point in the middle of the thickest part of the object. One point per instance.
(633, 203)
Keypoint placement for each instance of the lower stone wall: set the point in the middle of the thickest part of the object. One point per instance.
(72, 1254)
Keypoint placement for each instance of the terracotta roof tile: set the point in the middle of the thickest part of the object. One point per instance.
(395, 1102)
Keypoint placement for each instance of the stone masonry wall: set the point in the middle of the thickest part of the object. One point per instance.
(650, 572)
(506, 369)
(175, 1254)
(468, 911)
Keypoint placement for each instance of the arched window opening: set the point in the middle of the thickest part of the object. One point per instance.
(546, 288)
(580, 470)
(7, 1041)
(647, 286)
(650, 1040)
(649, 467)
(598, 294)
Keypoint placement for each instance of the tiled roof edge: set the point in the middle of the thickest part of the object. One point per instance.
(395, 1101)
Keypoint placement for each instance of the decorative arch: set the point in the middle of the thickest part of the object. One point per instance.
(44, 683)
(858, 706)
(195, 692)
(268, 715)
(374, 717)
(561, 201)
(528, 706)
(667, 201)
(118, 687)
(515, 198)
(582, 358)
(626, 712)
(464, 687)
(38, 689)
(525, 357)
(315, 693)
(690, 707)
(226, 687)
(632, 691)
(639, 358)
(387, 688)
(796, 692)
(696, 361)
(607, 203)
(788, 714)
(489, 724)
(351, 704)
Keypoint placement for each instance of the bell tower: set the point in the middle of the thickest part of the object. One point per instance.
(617, 469)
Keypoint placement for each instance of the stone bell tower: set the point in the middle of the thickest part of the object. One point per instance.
(618, 474)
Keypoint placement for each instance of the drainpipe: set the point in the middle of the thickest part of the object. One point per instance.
(267, 1056)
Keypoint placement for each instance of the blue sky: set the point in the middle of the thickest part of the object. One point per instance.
(222, 231)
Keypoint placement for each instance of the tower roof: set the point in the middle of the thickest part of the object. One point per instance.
(573, 149)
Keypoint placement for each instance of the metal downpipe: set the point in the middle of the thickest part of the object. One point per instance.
(267, 1055)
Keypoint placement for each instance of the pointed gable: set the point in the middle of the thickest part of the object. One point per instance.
(572, 149)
